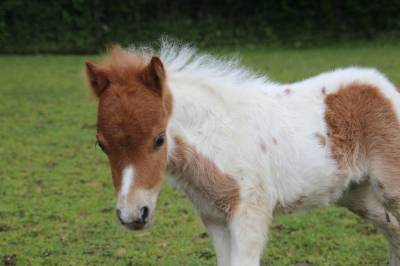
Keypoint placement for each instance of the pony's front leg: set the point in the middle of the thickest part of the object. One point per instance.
(248, 227)
(220, 236)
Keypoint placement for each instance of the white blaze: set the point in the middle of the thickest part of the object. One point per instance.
(128, 175)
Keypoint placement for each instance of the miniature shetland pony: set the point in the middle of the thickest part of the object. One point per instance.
(244, 148)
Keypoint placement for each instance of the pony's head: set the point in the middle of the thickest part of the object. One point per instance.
(134, 105)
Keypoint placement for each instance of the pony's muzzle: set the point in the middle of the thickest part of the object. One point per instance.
(134, 223)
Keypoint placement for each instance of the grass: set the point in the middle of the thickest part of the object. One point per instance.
(56, 196)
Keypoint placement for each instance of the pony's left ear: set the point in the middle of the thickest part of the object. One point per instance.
(154, 75)
(96, 78)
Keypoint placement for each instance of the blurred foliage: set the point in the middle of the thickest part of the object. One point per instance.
(82, 26)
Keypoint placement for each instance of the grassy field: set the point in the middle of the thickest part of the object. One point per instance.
(56, 196)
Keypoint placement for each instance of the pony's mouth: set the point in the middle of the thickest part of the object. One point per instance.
(136, 225)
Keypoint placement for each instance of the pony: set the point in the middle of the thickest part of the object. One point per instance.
(244, 148)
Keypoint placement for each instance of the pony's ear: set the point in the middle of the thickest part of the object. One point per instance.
(154, 75)
(96, 78)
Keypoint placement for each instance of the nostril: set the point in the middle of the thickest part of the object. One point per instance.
(144, 213)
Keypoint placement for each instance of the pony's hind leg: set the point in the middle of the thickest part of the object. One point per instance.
(361, 199)
(385, 180)
(389, 198)
(383, 157)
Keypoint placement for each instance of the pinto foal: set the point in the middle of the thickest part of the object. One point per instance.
(244, 148)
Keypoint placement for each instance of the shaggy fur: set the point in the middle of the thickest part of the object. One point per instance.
(244, 148)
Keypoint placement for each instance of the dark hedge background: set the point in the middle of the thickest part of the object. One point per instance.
(81, 26)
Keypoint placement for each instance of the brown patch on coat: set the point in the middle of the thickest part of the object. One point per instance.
(321, 139)
(134, 107)
(287, 91)
(205, 177)
(365, 133)
(263, 147)
(274, 141)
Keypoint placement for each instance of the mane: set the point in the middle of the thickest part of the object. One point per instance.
(184, 64)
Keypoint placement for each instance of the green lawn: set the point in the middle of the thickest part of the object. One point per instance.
(56, 196)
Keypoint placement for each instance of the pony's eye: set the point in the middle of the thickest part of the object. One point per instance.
(159, 141)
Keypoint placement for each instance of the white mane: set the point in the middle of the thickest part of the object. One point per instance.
(184, 64)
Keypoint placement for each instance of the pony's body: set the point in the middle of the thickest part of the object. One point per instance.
(271, 138)
(244, 148)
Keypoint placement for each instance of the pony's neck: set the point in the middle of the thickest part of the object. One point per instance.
(203, 114)
(197, 112)
(197, 123)
(201, 110)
